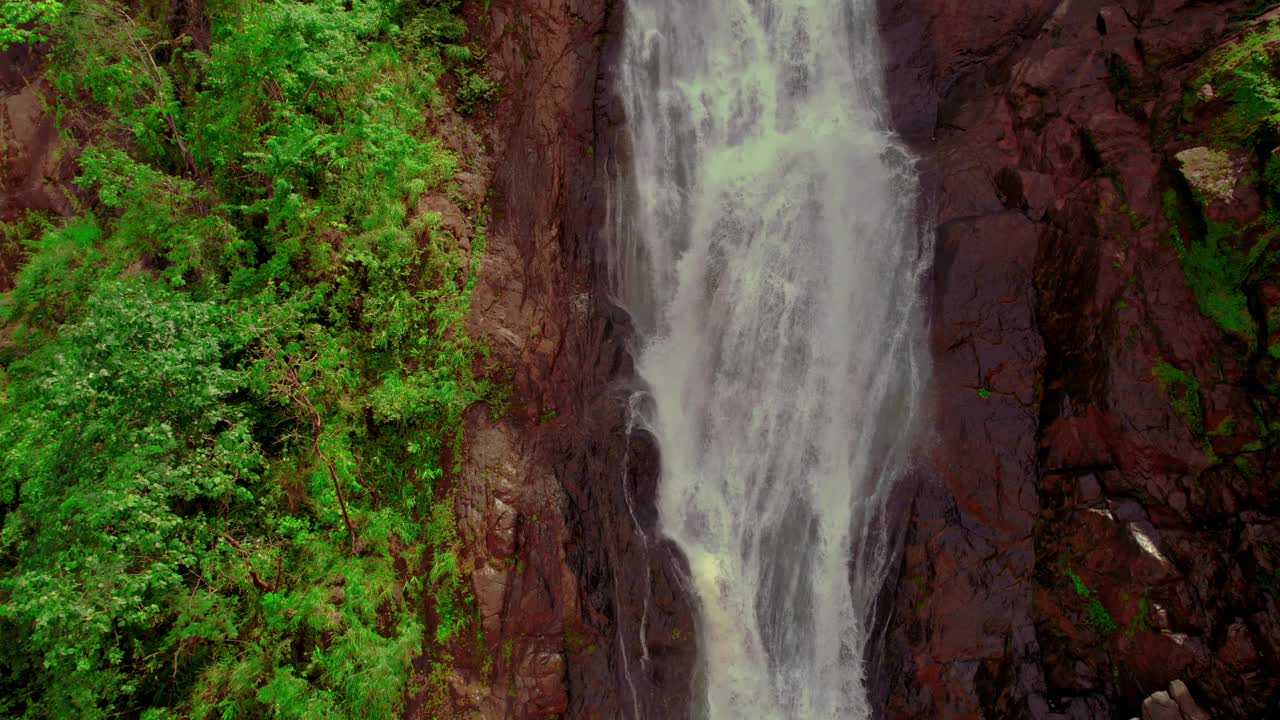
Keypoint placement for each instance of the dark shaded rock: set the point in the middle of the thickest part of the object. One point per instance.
(1186, 704)
(1079, 541)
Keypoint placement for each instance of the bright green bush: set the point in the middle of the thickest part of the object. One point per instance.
(229, 388)
(121, 440)
(26, 21)
(1217, 270)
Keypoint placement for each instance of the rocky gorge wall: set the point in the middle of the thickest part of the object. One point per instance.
(1082, 537)
(582, 611)
(1077, 540)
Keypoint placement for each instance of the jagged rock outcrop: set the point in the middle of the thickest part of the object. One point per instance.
(1081, 539)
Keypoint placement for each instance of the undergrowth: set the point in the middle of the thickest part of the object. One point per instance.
(1229, 267)
(1222, 264)
(228, 385)
(25, 21)
(1245, 73)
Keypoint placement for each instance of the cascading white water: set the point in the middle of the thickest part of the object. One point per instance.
(765, 244)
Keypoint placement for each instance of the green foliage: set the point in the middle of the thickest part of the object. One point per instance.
(474, 91)
(1228, 268)
(119, 437)
(446, 576)
(1226, 427)
(26, 21)
(984, 393)
(1095, 611)
(1183, 391)
(435, 24)
(1169, 204)
(1245, 73)
(228, 390)
(1216, 273)
(1271, 174)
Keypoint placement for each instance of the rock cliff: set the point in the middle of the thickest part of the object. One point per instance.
(1097, 516)
(1085, 531)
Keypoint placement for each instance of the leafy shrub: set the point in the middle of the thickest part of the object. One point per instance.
(124, 445)
(230, 387)
(475, 91)
(1217, 271)
(25, 21)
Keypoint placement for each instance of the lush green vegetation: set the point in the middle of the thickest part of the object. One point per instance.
(1233, 106)
(1217, 272)
(1245, 73)
(24, 21)
(1222, 263)
(230, 385)
(1141, 621)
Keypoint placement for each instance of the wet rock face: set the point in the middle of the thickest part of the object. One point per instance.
(32, 171)
(581, 608)
(1078, 540)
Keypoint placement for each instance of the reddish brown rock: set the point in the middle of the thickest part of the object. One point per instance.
(1078, 541)
(33, 171)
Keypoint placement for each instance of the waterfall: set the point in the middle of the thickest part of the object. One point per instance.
(764, 242)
